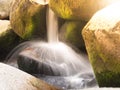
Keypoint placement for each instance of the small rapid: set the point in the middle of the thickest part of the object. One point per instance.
(53, 61)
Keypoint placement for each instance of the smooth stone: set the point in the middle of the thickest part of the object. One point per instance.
(14, 79)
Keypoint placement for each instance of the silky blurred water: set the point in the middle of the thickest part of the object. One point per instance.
(53, 61)
(59, 65)
(86, 80)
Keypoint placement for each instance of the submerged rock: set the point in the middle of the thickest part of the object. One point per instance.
(55, 59)
(79, 9)
(77, 82)
(14, 79)
(54, 63)
(5, 8)
(8, 39)
(28, 18)
(102, 40)
(71, 33)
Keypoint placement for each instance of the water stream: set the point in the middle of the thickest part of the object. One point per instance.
(53, 61)
(52, 26)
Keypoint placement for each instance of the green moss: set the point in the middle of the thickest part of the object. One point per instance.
(37, 22)
(96, 62)
(8, 40)
(28, 30)
(106, 65)
(108, 79)
(62, 9)
(101, 57)
(66, 11)
(28, 20)
(71, 33)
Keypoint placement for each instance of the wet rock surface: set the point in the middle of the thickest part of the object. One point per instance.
(56, 59)
(56, 77)
(80, 81)
(43, 62)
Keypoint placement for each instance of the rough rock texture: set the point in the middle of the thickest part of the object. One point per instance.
(78, 9)
(28, 18)
(102, 40)
(71, 33)
(5, 8)
(14, 79)
(8, 39)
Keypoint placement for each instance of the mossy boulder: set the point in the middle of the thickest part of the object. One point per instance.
(14, 79)
(102, 40)
(28, 18)
(70, 32)
(78, 9)
(8, 39)
(5, 8)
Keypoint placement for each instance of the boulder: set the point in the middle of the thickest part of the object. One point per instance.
(48, 59)
(71, 33)
(28, 18)
(14, 79)
(102, 40)
(8, 39)
(5, 8)
(79, 9)
(37, 57)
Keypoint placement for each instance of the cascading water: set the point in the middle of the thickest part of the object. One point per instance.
(54, 62)
(52, 27)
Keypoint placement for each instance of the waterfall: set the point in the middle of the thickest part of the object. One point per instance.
(52, 26)
(53, 61)
(42, 2)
